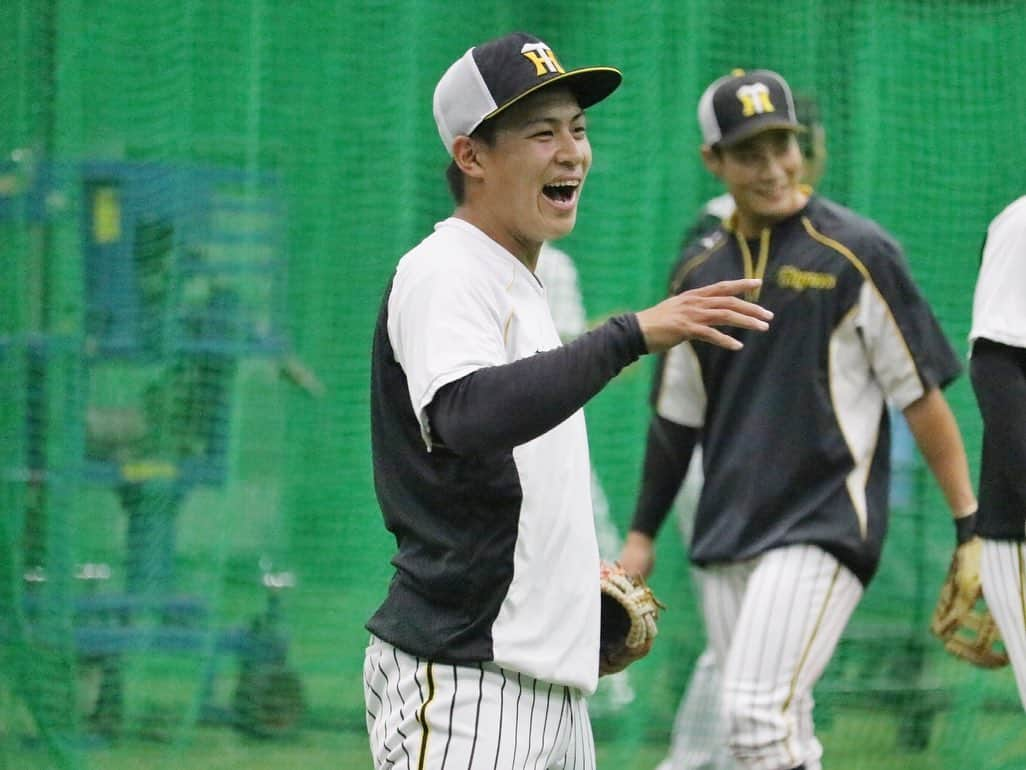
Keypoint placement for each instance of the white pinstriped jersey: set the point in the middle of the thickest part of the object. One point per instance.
(497, 554)
(795, 438)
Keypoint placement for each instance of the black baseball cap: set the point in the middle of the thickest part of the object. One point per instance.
(490, 77)
(743, 104)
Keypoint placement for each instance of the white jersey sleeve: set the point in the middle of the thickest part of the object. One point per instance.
(450, 312)
(681, 397)
(999, 301)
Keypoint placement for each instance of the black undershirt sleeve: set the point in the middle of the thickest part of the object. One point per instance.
(667, 457)
(501, 407)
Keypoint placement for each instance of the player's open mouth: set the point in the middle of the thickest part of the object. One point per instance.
(562, 193)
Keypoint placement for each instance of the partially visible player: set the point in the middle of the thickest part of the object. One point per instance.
(997, 367)
(794, 428)
(699, 737)
(487, 643)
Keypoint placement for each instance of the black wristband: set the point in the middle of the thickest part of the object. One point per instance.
(965, 528)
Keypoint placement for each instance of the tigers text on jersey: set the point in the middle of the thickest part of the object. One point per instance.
(497, 556)
(795, 435)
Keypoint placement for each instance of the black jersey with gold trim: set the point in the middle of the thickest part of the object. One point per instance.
(794, 427)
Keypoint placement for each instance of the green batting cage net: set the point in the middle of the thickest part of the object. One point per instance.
(200, 205)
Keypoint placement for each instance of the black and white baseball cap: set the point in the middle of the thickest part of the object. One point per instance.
(490, 77)
(743, 104)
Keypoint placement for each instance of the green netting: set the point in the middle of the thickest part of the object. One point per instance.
(200, 204)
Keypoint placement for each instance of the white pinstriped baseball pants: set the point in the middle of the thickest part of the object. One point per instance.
(432, 716)
(1003, 574)
(773, 623)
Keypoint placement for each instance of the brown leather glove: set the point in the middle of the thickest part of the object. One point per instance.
(961, 619)
(629, 614)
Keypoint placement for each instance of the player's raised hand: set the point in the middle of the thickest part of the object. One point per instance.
(696, 315)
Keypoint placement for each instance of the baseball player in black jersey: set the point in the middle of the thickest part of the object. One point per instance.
(794, 428)
(998, 370)
(698, 740)
(487, 643)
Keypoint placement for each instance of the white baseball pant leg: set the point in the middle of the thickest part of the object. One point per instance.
(699, 739)
(774, 623)
(423, 715)
(1003, 574)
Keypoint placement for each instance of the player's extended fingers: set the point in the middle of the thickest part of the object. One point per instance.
(732, 287)
(731, 311)
(716, 337)
(719, 304)
(694, 314)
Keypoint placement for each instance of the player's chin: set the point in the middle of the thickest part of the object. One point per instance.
(558, 224)
(778, 205)
(560, 232)
(773, 212)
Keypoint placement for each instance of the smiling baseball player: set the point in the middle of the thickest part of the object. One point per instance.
(794, 428)
(487, 644)
(698, 740)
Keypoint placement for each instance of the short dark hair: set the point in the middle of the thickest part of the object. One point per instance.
(453, 176)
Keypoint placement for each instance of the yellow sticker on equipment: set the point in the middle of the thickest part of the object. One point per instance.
(148, 470)
(106, 215)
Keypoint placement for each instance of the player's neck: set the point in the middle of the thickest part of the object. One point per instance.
(751, 225)
(522, 248)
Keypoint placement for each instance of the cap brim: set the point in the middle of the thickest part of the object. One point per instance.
(589, 84)
(755, 126)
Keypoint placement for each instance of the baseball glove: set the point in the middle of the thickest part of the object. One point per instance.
(961, 619)
(629, 614)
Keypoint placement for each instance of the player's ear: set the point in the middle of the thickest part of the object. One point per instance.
(465, 154)
(713, 160)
